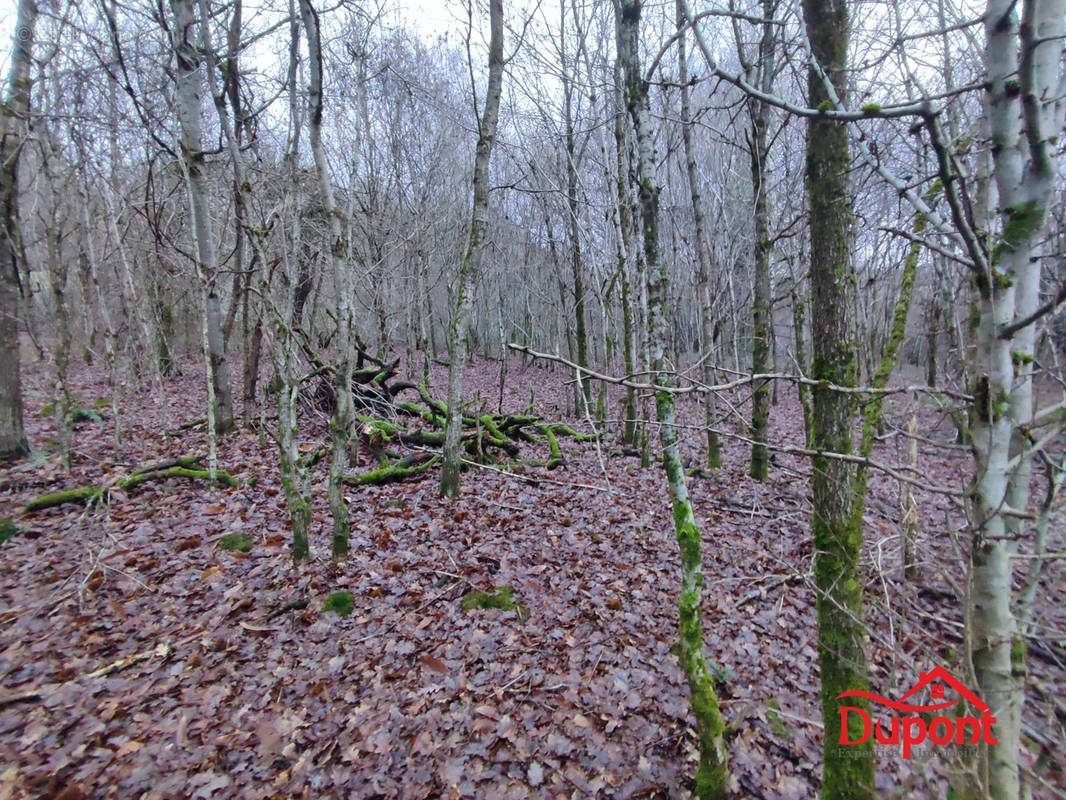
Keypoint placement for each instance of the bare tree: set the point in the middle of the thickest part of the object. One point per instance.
(1026, 107)
(470, 269)
(15, 114)
(836, 530)
(341, 421)
(188, 106)
(712, 774)
(703, 256)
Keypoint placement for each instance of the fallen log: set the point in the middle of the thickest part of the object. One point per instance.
(172, 468)
(395, 472)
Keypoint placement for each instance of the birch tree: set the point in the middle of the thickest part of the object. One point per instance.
(1025, 108)
(470, 268)
(188, 102)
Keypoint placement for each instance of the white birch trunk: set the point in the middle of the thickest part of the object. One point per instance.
(188, 106)
(1024, 112)
(470, 269)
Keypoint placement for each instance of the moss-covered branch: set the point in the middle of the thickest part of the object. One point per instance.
(397, 472)
(174, 468)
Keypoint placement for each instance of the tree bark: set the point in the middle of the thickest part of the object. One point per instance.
(703, 257)
(470, 269)
(761, 310)
(712, 775)
(1025, 112)
(341, 421)
(624, 231)
(573, 211)
(848, 771)
(188, 102)
(14, 112)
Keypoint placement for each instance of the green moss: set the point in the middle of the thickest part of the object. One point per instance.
(1018, 651)
(8, 528)
(871, 108)
(1021, 358)
(1003, 280)
(559, 429)
(82, 494)
(386, 429)
(86, 415)
(340, 602)
(774, 719)
(1023, 221)
(384, 475)
(240, 542)
(502, 598)
(556, 459)
(825, 106)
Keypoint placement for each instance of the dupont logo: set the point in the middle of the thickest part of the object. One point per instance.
(912, 728)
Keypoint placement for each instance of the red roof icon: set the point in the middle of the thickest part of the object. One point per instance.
(940, 674)
(925, 678)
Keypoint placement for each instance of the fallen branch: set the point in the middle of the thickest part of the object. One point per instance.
(761, 591)
(163, 649)
(173, 468)
(695, 387)
(396, 472)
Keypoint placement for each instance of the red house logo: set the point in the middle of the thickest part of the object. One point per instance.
(912, 730)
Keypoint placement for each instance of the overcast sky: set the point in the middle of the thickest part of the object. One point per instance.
(431, 17)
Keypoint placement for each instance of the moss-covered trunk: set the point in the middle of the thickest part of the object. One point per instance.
(712, 773)
(340, 422)
(762, 75)
(12, 113)
(848, 769)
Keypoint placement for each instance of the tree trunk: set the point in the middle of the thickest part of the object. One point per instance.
(712, 776)
(341, 421)
(470, 269)
(624, 233)
(188, 103)
(584, 391)
(1025, 112)
(703, 258)
(761, 285)
(848, 771)
(14, 112)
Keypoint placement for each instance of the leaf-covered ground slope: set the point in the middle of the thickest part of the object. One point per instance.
(141, 659)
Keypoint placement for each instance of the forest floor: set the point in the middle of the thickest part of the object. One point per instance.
(139, 659)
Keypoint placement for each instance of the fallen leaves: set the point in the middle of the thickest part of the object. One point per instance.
(189, 672)
(434, 664)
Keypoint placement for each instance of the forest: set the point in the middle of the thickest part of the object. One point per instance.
(533, 398)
